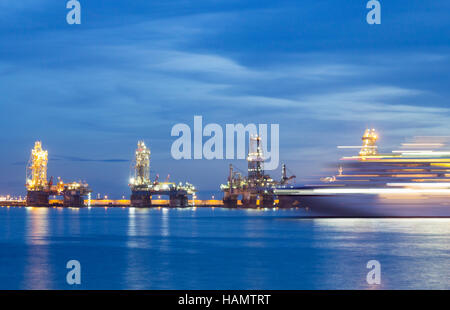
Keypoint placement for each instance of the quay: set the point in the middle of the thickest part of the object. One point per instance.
(101, 203)
(155, 203)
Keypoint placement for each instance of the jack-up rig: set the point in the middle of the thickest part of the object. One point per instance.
(39, 189)
(257, 189)
(143, 188)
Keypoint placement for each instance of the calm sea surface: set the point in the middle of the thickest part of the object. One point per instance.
(216, 248)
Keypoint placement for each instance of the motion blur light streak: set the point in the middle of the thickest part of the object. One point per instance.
(320, 72)
(366, 184)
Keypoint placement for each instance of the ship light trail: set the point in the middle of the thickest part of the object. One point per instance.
(367, 191)
(420, 185)
(415, 175)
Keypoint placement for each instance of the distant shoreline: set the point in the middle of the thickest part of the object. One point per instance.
(116, 203)
(125, 203)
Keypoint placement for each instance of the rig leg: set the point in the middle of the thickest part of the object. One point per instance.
(73, 199)
(267, 201)
(178, 201)
(141, 199)
(38, 199)
(249, 201)
(230, 200)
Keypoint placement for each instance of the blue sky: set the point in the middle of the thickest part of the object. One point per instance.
(133, 69)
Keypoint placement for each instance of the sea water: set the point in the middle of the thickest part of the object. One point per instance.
(216, 248)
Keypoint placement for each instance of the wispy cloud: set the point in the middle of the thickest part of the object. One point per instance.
(81, 159)
(115, 79)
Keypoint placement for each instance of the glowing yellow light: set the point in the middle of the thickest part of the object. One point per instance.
(37, 168)
(369, 147)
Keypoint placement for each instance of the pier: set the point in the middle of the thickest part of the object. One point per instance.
(102, 203)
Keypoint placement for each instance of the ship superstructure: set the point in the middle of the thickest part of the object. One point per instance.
(411, 181)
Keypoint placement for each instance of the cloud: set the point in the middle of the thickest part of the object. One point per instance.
(131, 75)
(81, 159)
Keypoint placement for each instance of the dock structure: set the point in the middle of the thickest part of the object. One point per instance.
(39, 189)
(257, 189)
(143, 188)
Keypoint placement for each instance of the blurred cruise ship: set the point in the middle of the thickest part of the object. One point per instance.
(413, 181)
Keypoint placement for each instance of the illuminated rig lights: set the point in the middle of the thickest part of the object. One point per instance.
(141, 176)
(37, 168)
(143, 188)
(257, 188)
(39, 189)
(369, 147)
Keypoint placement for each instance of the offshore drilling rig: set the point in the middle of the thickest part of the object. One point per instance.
(142, 188)
(257, 188)
(39, 189)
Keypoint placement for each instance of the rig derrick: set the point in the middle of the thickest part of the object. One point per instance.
(38, 188)
(140, 183)
(257, 189)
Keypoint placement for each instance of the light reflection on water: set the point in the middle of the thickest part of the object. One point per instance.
(198, 248)
(37, 274)
(135, 275)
